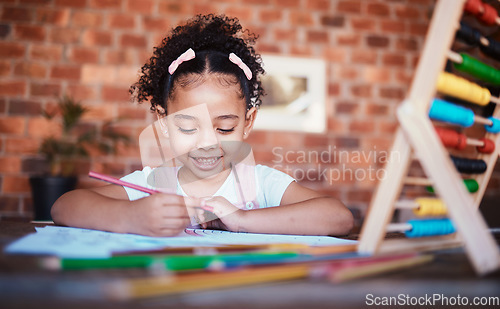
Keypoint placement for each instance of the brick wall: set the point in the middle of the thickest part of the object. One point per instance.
(92, 50)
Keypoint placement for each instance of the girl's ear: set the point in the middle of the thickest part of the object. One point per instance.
(162, 121)
(249, 121)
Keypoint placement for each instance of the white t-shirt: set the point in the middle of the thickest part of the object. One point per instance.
(247, 187)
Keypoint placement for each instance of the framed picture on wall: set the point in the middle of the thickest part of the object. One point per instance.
(296, 95)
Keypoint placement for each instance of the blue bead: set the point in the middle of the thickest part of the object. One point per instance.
(495, 126)
(447, 112)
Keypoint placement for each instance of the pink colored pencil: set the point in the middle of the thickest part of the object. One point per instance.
(121, 183)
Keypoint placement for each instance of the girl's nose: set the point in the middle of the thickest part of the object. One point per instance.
(207, 139)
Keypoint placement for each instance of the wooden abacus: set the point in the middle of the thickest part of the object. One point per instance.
(417, 139)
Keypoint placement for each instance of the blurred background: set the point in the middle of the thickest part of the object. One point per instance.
(91, 50)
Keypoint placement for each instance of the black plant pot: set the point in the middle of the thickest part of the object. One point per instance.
(46, 190)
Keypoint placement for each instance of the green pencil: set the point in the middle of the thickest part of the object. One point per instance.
(171, 262)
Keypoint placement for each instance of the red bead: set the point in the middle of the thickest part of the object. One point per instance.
(489, 15)
(475, 7)
(488, 147)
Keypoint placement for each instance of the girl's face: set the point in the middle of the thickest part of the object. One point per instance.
(206, 125)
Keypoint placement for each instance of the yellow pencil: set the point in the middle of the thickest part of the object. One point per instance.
(166, 285)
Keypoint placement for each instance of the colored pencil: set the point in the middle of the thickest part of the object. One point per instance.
(172, 262)
(117, 181)
(336, 271)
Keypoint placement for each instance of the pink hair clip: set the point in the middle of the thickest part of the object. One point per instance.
(186, 56)
(237, 60)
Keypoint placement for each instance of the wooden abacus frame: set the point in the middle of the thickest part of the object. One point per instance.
(417, 139)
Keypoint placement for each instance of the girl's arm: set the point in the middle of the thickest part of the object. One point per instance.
(108, 208)
(302, 211)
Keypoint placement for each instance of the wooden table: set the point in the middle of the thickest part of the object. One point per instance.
(24, 285)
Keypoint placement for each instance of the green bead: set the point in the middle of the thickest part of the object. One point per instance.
(478, 69)
(471, 185)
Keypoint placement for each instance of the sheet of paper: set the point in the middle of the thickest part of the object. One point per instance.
(84, 243)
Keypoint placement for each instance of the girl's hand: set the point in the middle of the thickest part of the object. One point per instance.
(229, 216)
(159, 214)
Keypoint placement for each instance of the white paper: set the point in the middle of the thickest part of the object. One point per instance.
(70, 242)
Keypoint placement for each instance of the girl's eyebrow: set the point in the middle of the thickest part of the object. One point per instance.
(229, 116)
(182, 116)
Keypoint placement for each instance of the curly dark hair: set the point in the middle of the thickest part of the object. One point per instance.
(212, 38)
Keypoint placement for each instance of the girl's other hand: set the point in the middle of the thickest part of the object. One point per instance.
(228, 215)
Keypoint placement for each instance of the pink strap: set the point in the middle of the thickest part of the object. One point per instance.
(186, 56)
(237, 60)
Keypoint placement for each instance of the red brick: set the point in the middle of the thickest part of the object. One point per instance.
(94, 74)
(363, 56)
(21, 145)
(285, 34)
(418, 28)
(15, 184)
(64, 35)
(393, 26)
(288, 3)
(131, 113)
(106, 4)
(174, 8)
(301, 50)
(377, 74)
(17, 14)
(121, 21)
(30, 69)
(10, 165)
(388, 126)
(320, 5)
(270, 15)
(12, 125)
(56, 17)
(373, 109)
(403, 44)
(12, 50)
(334, 54)
(71, 3)
(363, 24)
(244, 14)
(317, 36)
(133, 40)
(41, 128)
(346, 107)
(159, 24)
(363, 91)
(394, 59)
(36, 2)
(120, 57)
(349, 6)
(392, 93)
(25, 107)
(378, 9)
(349, 39)
(300, 18)
(81, 92)
(348, 73)
(86, 19)
(333, 21)
(66, 72)
(29, 32)
(285, 139)
(362, 126)
(140, 6)
(113, 94)
(204, 8)
(5, 68)
(96, 38)
(377, 41)
(12, 88)
(84, 55)
(45, 89)
(46, 52)
(407, 12)
(101, 112)
(5, 31)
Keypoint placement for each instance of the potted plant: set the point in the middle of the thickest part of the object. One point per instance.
(62, 152)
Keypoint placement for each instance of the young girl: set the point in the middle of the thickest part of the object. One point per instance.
(203, 83)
